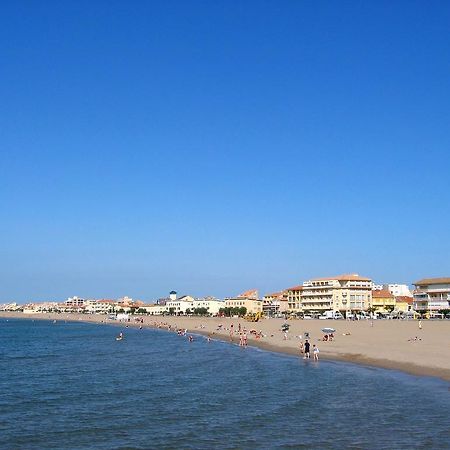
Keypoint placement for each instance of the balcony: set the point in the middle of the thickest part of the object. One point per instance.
(317, 300)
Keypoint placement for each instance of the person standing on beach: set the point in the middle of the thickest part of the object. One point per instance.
(307, 346)
(316, 352)
(420, 324)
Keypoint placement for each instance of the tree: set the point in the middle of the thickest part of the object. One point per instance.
(242, 311)
(171, 311)
(389, 308)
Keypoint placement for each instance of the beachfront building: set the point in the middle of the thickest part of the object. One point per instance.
(74, 302)
(102, 306)
(345, 293)
(275, 303)
(213, 305)
(403, 303)
(179, 306)
(294, 297)
(248, 300)
(154, 309)
(398, 290)
(431, 295)
(10, 307)
(383, 301)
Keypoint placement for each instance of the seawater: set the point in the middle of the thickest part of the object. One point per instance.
(73, 386)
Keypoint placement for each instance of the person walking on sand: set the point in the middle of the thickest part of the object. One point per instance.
(316, 352)
(420, 324)
(307, 346)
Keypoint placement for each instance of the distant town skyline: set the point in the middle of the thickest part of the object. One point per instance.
(216, 147)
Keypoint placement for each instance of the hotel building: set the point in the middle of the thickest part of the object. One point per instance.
(344, 293)
(248, 299)
(294, 298)
(431, 295)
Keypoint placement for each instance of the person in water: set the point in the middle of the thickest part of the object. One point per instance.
(316, 352)
(306, 347)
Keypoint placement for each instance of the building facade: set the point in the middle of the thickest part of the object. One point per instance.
(252, 305)
(294, 298)
(344, 293)
(431, 295)
(213, 305)
(383, 301)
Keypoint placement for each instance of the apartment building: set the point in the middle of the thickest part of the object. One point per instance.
(252, 305)
(344, 293)
(383, 301)
(275, 303)
(294, 298)
(431, 295)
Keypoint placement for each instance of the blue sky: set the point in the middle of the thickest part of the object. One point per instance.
(213, 147)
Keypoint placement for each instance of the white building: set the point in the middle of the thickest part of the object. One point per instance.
(431, 295)
(213, 305)
(399, 290)
(155, 310)
(181, 305)
(74, 302)
(345, 293)
(99, 306)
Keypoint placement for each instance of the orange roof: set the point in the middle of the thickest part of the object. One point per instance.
(404, 299)
(383, 293)
(275, 294)
(252, 293)
(344, 277)
(295, 288)
(427, 281)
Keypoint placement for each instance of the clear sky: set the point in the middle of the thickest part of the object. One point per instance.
(216, 146)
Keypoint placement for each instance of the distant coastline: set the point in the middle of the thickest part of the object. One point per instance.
(387, 344)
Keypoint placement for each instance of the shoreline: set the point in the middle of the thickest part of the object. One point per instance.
(386, 345)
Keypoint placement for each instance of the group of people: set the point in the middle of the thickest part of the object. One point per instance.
(305, 350)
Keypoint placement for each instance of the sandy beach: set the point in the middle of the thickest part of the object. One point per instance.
(389, 344)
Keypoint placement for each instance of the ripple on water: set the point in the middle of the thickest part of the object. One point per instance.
(72, 386)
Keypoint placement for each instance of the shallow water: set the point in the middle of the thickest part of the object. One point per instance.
(72, 386)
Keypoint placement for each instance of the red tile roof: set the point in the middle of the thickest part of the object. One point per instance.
(383, 293)
(427, 281)
(251, 294)
(404, 299)
(295, 288)
(344, 277)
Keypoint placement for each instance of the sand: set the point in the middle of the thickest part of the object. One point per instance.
(388, 343)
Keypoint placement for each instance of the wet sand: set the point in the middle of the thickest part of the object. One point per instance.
(388, 343)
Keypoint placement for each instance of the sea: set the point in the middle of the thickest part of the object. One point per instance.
(71, 385)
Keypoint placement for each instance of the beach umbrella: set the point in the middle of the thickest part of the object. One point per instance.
(328, 330)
